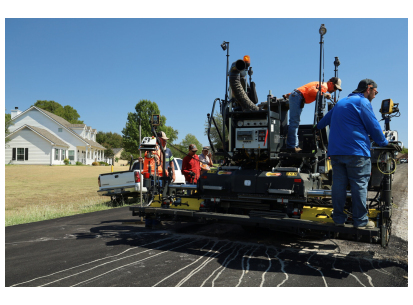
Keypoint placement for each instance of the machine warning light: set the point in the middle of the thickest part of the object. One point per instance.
(247, 59)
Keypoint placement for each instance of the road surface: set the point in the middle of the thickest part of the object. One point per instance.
(111, 248)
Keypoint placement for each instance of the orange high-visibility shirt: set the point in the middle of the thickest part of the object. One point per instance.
(151, 161)
(309, 91)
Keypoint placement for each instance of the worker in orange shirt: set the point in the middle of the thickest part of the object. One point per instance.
(301, 96)
(153, 159)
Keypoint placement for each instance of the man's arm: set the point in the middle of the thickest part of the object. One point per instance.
(171, 164)
(371, 124)
(185, 166)
(326, 120)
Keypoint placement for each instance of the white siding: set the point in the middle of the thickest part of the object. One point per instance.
(79, 131)
(38, 119)
(39, 148)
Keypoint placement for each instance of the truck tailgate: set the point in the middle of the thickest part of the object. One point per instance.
(117, 179)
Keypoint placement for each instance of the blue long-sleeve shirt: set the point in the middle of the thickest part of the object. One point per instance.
(351, 122)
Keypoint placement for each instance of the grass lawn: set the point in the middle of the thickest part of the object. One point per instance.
(40, 192)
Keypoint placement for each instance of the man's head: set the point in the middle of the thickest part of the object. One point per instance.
(205, 150)
(368, 87)
(162, 136)
(334, 84)
(192, 149)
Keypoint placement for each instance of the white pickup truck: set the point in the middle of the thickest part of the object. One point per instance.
(122, 185)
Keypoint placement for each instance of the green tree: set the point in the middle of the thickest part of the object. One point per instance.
(184, 146)
(67, 112)
(214, 135)
(144, 110)
(115, 140)
(405, 150)
(70, 114)
(8, 123)
(108, 152)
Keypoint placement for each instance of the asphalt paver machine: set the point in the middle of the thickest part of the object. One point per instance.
(260, 183)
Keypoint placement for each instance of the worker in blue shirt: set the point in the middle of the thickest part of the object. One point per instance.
(351, 122)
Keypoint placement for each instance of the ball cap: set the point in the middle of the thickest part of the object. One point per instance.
(338, 84)
(162, 135)
(193, 147)
(363, 84)
(205, 148)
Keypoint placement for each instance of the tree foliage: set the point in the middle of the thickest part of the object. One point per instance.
(67, 112)
(143, 111)
(8, 123)
(115, 140)
(184, 146)
(214, 135)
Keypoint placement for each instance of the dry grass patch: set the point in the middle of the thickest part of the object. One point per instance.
(46, 192)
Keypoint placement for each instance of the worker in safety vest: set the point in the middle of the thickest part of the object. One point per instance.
(301, 96)
(155, 158)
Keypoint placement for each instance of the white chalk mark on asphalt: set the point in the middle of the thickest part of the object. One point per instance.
(110, 262)
(189, 264)
(269, 266)
(341, 270)
(248, 260)
(282, 267)
(368, 277)
(202, 266)
(381, 270)
(242, 266)
(315, 268)
(229, 255)
(123, 266)
(224, 266)
(94, 261)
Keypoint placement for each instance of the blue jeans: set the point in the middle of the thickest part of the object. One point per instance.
(295, 113)
(356, 170)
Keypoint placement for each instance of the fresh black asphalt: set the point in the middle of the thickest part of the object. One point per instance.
(111, 248)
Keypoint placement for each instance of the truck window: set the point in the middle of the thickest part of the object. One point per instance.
(179, 161)
(136, 166)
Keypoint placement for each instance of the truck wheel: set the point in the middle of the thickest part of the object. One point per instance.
(116, 200)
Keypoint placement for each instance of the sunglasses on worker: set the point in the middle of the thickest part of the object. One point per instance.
(375, 91)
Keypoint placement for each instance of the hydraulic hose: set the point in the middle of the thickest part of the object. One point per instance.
(236, 87)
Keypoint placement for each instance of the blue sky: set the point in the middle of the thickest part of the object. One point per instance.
(104, 67)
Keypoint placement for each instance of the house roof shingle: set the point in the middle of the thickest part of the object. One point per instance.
(51, 137)
(67, 124)
(95, 144)
(116, 150)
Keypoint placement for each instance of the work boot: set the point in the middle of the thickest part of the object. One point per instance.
(339, 224)
(370, 225)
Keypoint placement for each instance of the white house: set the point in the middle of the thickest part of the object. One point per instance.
(40, 137)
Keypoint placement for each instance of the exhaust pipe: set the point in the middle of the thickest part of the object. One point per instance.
(236, 87)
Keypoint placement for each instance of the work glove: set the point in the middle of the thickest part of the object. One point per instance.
(394, 146)
(192, 174)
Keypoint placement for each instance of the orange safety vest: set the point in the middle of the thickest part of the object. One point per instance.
(309, 91)
(151, 161)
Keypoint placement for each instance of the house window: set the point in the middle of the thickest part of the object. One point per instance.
(71, 155)
(20, 154)
(60, 129)
(56, 156)
(63, 154)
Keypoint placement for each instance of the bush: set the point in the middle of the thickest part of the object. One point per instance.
(95, 164)
(79, 163)
(66, 161)
(102, 163)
